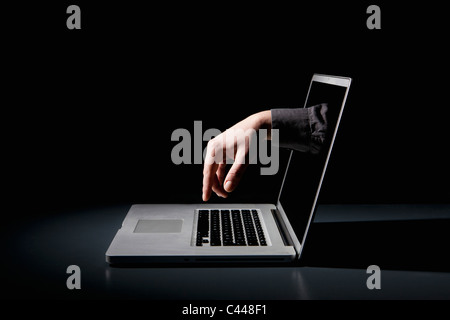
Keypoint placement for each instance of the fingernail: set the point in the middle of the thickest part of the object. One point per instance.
(227, 186)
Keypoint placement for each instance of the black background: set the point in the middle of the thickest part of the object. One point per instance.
(88, 114)
(87, 117)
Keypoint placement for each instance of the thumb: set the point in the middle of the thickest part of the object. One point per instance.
(234, 176)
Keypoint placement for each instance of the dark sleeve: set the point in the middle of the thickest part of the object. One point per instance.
(301, 129)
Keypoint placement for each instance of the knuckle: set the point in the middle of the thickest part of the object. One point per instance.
(233, 174)
(212, 144)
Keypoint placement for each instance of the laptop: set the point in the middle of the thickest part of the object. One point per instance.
(233, 233)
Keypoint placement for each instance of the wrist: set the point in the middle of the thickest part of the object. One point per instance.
(264, 120)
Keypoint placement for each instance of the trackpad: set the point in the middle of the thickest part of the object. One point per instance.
(158, 226)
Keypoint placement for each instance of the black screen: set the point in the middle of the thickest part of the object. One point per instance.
(305, 169)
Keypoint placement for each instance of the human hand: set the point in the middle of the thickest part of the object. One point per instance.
(232, 144)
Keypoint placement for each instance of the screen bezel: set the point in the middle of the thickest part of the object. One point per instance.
(332, 80)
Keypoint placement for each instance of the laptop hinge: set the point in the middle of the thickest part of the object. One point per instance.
(282, 228)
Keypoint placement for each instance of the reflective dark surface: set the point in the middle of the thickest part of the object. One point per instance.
(39, 251)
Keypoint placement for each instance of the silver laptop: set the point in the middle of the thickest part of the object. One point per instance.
(255, 232)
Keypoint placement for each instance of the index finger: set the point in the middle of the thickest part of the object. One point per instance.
(209, 172)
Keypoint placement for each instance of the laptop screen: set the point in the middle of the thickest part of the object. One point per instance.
(305, 172)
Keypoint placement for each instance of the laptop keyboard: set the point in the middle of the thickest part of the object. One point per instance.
(229, 228)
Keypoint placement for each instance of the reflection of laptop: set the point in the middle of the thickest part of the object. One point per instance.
(165, 233)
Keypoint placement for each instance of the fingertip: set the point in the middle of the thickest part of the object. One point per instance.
(219, 191)
(222, 195)
(228, 186)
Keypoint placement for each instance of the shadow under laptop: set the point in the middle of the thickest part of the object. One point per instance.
(416, 245)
